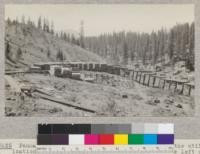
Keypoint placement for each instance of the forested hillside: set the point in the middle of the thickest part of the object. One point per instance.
(43, 43)
(163, 46)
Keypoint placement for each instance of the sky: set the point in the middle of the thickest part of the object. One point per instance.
(104, 18)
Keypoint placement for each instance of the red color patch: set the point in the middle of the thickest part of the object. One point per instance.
(106, 139)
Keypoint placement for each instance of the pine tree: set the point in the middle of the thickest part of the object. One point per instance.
(39, 23)
(17, 21)
(171, 44)
(48, 53)
(60, 56)
(19, 54)
(61, 35)
(44, 24)
(81, 41)
(190, 54)
(73, 40)
(23, 19)
(64, 36)
(146, 47)
(191, 38)
(125, 56)
(9, 21)
(47, 26)
(52, 28)
(7, 51)
(57, 35)
(68, 37)
(154, 47)
(29, 22)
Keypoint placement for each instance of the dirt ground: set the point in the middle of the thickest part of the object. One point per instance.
(109, 97)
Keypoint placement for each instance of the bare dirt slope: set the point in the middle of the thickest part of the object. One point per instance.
(35, 45)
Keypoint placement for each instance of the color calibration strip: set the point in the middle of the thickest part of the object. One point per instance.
(105, 134)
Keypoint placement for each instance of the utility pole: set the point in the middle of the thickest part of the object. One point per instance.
(82, 34)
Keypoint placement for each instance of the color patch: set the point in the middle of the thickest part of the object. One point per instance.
(106, 139)
(76, 139)
(71, 129)
(150, 128)
(124, 128)
(91, 139)
(121, 139)
(150, 139)
(44, 129)
(135, 139)
(44, 139)
(165, 129)
(111, 128)
(165, 139)
(137, 128)
(59, 139)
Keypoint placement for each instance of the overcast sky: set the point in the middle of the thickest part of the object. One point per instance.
(99, 18)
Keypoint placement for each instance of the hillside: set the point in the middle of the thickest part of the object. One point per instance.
(39, 46)
(162, 91)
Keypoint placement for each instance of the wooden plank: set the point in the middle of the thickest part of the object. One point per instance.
(175, 86)
(159, 83)
(53, 99)
(164, 84)
(182, 89)
(190, 85)
(15, 72)
(144, 79)
(136, 76)
(140, 77)
(133, 75)
(154, 79)
(149, 80)
(170, 82)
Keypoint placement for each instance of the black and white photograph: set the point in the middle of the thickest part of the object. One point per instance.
(99, 60)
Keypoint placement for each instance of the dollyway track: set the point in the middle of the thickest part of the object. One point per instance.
(55, 100)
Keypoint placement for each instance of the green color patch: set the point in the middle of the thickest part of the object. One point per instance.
(135, 139)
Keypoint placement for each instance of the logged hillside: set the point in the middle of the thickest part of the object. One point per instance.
(28, 44)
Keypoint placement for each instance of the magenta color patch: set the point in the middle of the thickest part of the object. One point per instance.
(91, 139)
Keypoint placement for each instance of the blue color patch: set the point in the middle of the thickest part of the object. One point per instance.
(150, 139)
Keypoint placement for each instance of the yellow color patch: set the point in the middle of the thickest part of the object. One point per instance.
(121, 139)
